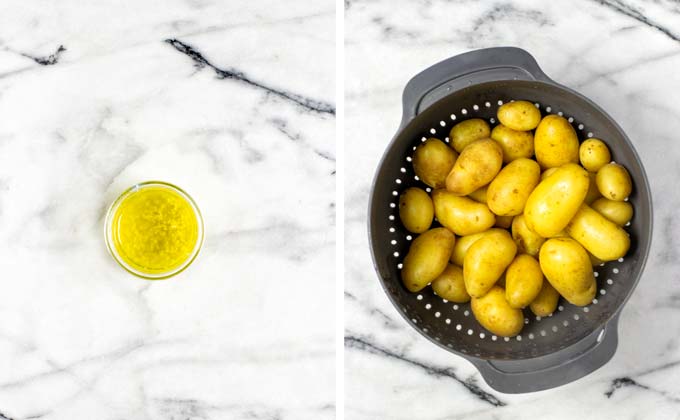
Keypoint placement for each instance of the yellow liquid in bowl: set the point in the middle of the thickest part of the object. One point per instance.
(155, 230)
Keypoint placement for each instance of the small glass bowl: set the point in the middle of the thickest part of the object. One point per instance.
(110, 242)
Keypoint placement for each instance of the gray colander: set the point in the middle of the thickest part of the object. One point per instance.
(551, 351)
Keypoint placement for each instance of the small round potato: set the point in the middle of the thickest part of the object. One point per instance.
(476, 166)
(515, 144)
(486, 260)
(432, 162)
(619, 212)
(567, 267)
(495, 314)
(427, 258)
(461, 215)
(463, 244)
(523, 281)
(508, 192)
(546, 301)
(416, 210)
(614, 182)
(465, 132)
(450, 285)
(527, 240)
(594, 154)
(519, 115)
(555, 142)
(600, 236)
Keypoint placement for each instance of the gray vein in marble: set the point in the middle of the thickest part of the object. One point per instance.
(4, 417)
(363, 344)
(48, 60)
(630, 11)
(297, 137)
(200, 62)
(503, 11)
(626, 381)
(370, 310)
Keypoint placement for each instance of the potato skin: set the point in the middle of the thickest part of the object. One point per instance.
(494, 313)
(523, 281)
(509, 191)
(485, 261)
(619, 212)
(432, 162)
(556, 199)
(515, 144)
(546, 301)
(462, 245)
(427, 258)
(479, 195)
(519, 115)
(593, 192)
(461, 215)
(476, 166)
(547, 173)
(415, 210)
(465, 132)
(568, 269)
(555, 142)
(503, 221)
(614, 182)
(450, 285)
(601, 237)
(528, 241)
(594, 154)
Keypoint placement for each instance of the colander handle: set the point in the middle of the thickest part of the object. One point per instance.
(559, 368)
(484, 65)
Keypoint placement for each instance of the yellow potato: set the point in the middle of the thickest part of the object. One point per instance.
(432, 162)
(527, 240)
(515, 144)
(508, 192)
(486, 260)
(523, 281)
(555, 142)
(594, 154)
(546, 301)
(556, 199)
(479, 195)
(476, 166)
(568, 269)
(460, 214)
(619, 212)
(503, 221)
(465, 132)
(450, 285)
(594, 260)
(547, 173)
(415, 210)
(519, 115)
(614, 182)
(427, 258)
(463, 244)
(600, 236)
(494, 313)
(593, 192)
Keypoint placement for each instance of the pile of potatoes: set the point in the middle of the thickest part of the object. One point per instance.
(520, 204)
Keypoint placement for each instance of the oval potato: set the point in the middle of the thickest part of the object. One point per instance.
(415, 210)
(546, 301)
(556, 199)
(547, 173)
(509, 191)
(619, 212)
(528, 241)
(594, 154)
(555, 142)
(494, 313)
(486, 260)
(450, 285)
(568, 269)
(515, 144)
(465, 132)
(427, 258)
(519, 115)
(479, 195)
(614, 182)
(600, 236)
(432, 162)
(476, 166)
(461, 215)
(463, 244)
(523, 281)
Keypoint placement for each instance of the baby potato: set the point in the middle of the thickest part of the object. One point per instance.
(547, 173)
(614, 182)
(546, 301)
(463, 244)
(415, 210)
(427, 258)
(523, 281)
(460, 214)
(519, 115)
(555, 200)
(503, 221)
(555, 142)
(515, 144)
(509, 191)
(476, 166)
(479, 195)
(593, 192)
(494, 313)
(485, 261)
(568, 269)
(450, 285)
(432, 162)
(619, 212)
(465, 132)
(594, 154)
(600, 236)
(527, 240)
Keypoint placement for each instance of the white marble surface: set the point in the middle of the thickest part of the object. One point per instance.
(244, 122)
(624, 55)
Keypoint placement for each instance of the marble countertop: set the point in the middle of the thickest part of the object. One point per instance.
(234, 102)
(622, 54)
